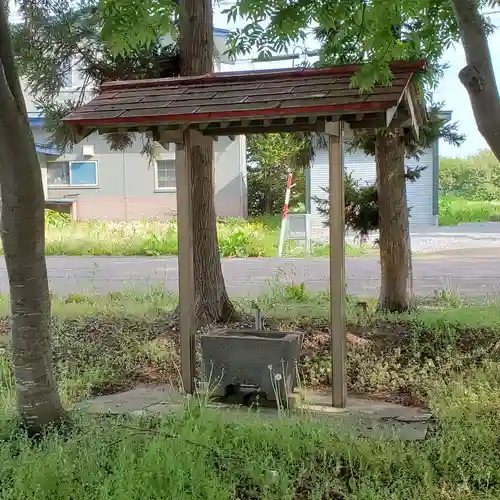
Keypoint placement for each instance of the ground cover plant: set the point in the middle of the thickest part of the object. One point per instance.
(110, 342)
(444, 355)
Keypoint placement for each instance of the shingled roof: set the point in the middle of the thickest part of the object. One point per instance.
(250, 102)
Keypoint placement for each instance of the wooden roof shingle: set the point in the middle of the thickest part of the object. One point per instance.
(230, 103)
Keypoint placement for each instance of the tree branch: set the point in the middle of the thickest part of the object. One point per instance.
(478, 76)
(7, 59)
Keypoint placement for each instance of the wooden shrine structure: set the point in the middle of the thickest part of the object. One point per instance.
(172, 110)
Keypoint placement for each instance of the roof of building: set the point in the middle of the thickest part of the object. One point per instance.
(221, 31)
(250, 102)
(46, 150)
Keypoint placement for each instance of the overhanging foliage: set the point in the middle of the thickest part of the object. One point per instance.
(375, 32)
(59, 37)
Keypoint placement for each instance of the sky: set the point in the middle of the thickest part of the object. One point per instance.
(450, 90)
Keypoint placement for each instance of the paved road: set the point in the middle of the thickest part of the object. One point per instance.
(472, 272)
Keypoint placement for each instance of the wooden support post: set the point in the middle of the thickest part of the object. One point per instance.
(187, 327)
(337, 269)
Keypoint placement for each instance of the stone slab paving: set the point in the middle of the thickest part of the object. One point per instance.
(142, 397)
(371, 418)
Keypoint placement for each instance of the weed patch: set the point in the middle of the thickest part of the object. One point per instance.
(257, 237)
(105, 344)
(454, 210)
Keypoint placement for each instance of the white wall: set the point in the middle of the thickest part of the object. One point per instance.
(362, 167)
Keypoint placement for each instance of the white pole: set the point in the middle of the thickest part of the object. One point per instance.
(281, 241)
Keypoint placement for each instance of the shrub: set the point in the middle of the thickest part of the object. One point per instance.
(361, 206)
(475, 177)
(361, 203)
(57, 219)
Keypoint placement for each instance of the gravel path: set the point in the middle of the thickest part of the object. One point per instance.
(464, 236)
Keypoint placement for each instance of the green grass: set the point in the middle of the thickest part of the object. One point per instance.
(444, 355)
(454, 210)
(257, 237)
(199, 455)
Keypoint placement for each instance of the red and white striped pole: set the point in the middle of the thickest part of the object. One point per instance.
(281, 242)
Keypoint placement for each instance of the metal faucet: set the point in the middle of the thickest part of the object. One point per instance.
(259, 319)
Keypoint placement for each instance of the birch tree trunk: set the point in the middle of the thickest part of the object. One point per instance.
(396, 291)
(478, 76)
(23, 238)
(196, 58)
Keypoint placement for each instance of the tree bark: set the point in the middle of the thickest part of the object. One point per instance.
(268, 203)
(478, 76)
(396, 291)
(23, 238)
(196, 45)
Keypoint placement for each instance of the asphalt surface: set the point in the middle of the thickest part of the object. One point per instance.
(471, 272)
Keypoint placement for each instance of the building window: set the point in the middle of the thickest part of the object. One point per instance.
(165, 175)
(72, 173)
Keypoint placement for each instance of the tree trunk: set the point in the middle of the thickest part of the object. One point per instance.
(23, 238)
(396, 291)
(196, 58)
(478, 76)
(268, 203)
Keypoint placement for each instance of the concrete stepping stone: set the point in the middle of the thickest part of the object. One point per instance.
(370, 418)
